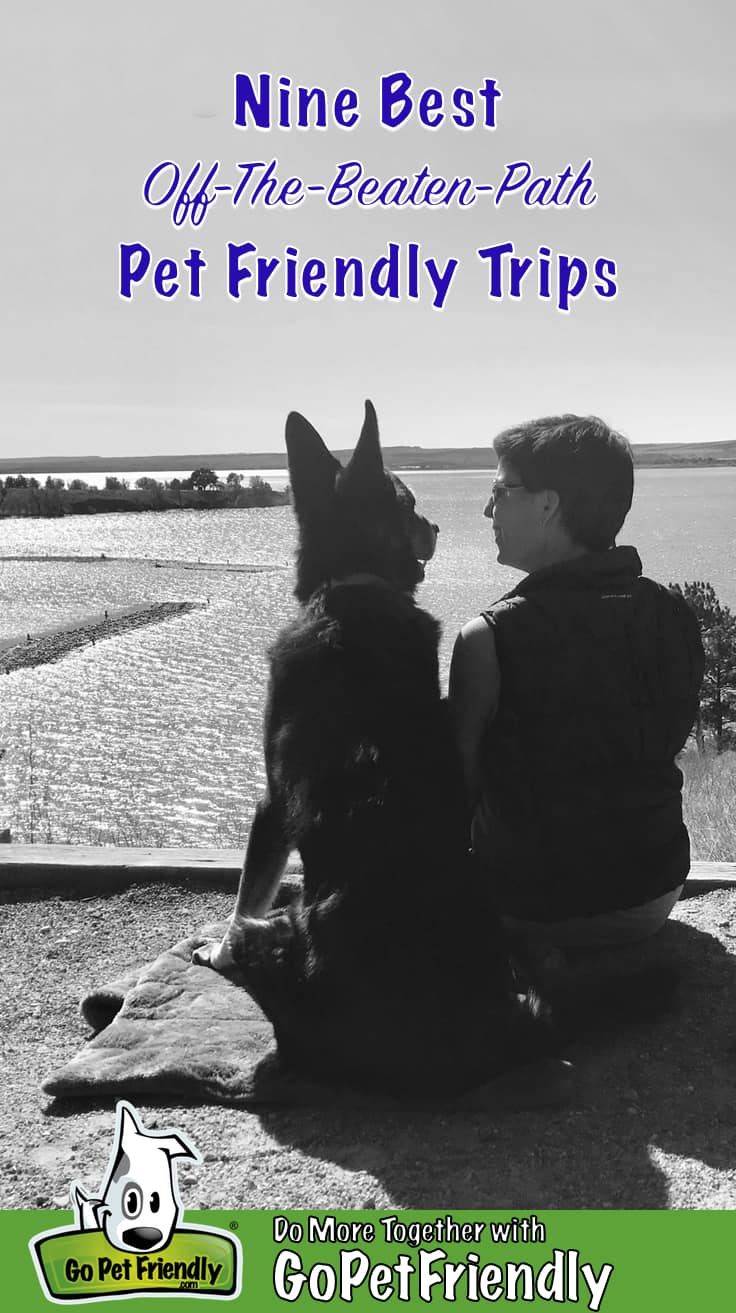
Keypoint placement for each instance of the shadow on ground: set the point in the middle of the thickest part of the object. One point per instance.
(662, 1089)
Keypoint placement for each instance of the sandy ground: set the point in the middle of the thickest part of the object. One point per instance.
(651, 1123)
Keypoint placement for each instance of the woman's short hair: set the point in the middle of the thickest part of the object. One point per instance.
(586, 463)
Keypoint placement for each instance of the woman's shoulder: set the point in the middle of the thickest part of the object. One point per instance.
(474, 660)
(477, 631)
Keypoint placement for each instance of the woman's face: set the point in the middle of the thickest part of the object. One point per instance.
(514, 513)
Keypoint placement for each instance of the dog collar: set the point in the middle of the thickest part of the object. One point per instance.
(360, 577)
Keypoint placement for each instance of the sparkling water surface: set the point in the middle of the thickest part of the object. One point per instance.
(155, 736)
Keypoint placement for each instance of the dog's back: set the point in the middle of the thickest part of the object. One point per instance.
(359, 750)
(393, 971)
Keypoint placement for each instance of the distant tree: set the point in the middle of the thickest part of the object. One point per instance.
(16, 481)
(20, 501)
(261, 492)
(717, 711)
(203, 478)
(147, 483)
(51, 500)
(113, 484)
(234, 480)
(78, 485)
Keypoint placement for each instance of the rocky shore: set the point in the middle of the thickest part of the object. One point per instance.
(53, 645)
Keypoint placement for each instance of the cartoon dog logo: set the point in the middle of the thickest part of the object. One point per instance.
(139, 1204)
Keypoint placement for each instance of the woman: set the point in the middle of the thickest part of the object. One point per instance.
(571, 697)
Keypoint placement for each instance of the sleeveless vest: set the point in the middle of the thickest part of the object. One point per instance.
(581, 805)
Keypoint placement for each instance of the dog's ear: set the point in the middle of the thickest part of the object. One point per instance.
(365, 466)
(312, 468)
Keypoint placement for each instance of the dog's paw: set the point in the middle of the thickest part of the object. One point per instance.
(231, 951)
(214, 953)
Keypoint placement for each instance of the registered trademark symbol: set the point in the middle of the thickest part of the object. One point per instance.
(233, 1226)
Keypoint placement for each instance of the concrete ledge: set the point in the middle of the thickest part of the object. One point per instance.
(60, 866)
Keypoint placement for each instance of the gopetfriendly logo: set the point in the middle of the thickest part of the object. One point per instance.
(128, 1241)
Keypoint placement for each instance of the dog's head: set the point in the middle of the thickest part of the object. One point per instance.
(356, 519)
(140, 1206)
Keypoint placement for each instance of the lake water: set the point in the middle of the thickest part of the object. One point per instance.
(155, 736)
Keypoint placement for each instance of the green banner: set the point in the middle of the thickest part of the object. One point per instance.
(82, 1265)
(621, 1262)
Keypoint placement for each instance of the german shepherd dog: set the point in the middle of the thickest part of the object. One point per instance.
(392, 972)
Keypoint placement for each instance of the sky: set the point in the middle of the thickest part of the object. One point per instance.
(95, 97)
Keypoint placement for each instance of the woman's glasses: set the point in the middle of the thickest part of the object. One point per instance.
(499, 490)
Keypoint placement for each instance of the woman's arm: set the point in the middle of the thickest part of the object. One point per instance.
(475, 684)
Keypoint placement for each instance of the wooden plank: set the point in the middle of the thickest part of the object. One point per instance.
(705, 876)
(59, 866)
(55, 854)
(56, 866)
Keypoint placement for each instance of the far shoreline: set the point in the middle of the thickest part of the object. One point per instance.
(646, 456)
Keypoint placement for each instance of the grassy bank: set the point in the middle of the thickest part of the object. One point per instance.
(709, 799)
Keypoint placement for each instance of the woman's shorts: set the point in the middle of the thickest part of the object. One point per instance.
(627, 926)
